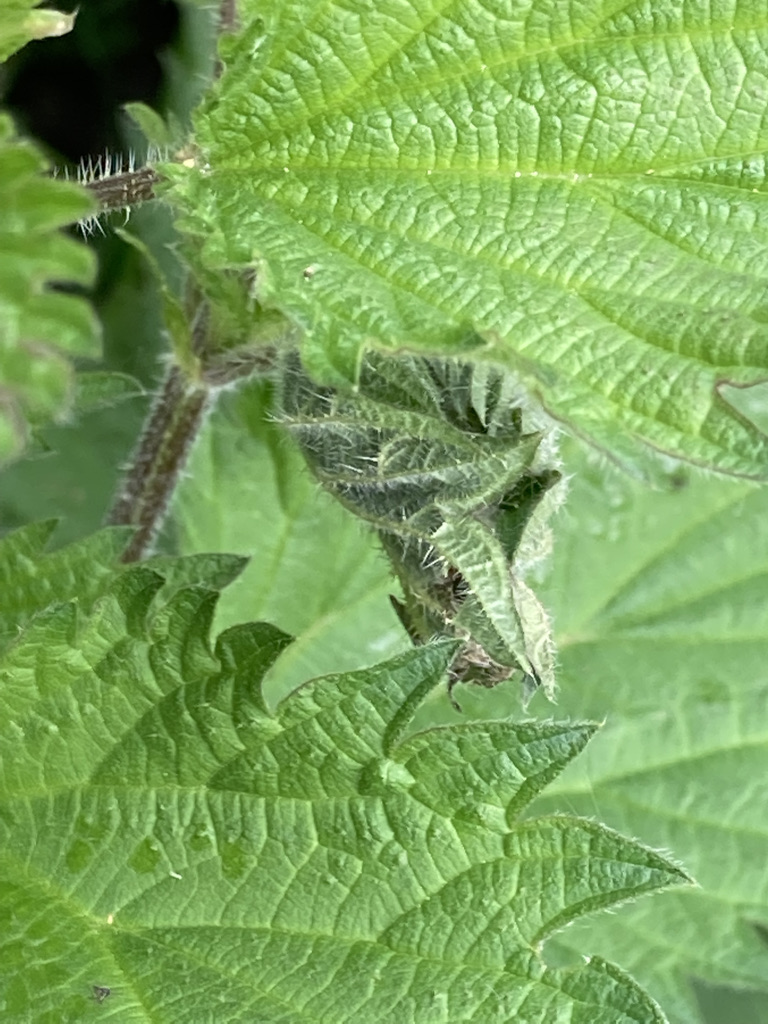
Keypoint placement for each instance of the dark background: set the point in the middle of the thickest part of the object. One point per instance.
(67, 92)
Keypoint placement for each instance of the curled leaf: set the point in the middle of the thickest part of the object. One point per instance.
(443, 465)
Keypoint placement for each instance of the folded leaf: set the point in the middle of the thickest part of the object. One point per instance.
(441, 462)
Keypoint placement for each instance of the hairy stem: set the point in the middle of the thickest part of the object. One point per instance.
(229, 20)
(161, 454)
(133, 187)
(127, 189)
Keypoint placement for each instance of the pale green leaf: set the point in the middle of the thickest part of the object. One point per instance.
(40, 328)
(580, 187)
(97, 389)
(660, 602)
(33, 578)
(312, 569)
(24, 20)
(172, 849)
(152, 126)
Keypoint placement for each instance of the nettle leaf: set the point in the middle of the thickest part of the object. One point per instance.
(100, 389)
(661, 607)
(23, 20)
(32, 578)
(172, 849)
(437, 457)
(40, 328)
(580, 186)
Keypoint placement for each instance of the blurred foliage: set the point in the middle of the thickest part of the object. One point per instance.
(729, 1006)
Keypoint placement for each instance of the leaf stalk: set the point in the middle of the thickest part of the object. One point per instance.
(121, 191)
(173, 424)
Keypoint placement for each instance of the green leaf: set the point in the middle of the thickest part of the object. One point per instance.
(312, 570)
(40, 328)
(22, 21)
(151, 125)
(76, 480)
(99, 389)
(579, 187)
(32, 578)
(440, 460)
(172, 849)
(719, 1004)
(661, 607)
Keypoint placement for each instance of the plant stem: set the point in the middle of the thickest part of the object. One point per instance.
(229, 20)
(166, 441)
(131, 188)
(128, 189)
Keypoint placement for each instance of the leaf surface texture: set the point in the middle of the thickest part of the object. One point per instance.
(169, 838)
(574, 190)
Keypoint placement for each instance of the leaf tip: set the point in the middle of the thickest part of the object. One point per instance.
(430, 663)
